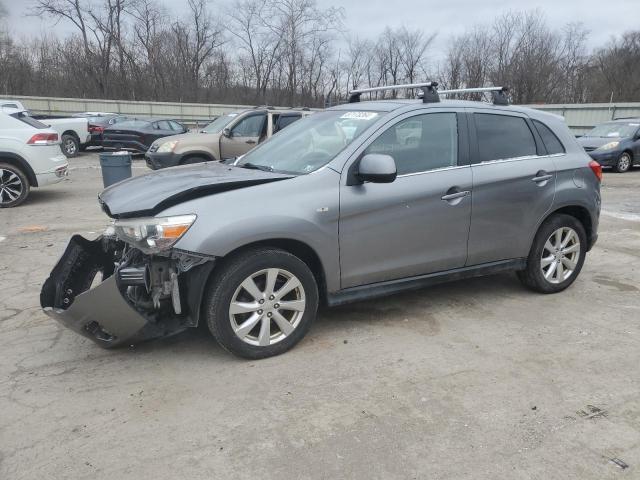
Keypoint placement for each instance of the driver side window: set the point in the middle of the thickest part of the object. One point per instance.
(421, 143)
(251, 126)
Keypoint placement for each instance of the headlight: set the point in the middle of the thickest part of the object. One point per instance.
(152, 235)
(167, 146)
(609, 146)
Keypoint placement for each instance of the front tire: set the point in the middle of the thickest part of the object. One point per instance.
(624, 163)
(261, 303)
(556, 256)
(14, 186)
(70, 146)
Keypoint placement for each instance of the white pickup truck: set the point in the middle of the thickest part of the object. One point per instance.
(73, 131)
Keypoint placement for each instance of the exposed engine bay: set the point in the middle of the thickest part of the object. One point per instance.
(113, 293)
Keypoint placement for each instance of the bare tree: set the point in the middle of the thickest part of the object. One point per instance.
(248, 23)
(195, 42)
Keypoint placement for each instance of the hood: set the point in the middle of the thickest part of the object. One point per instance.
(149, 194)
(189, 138)
(596, 142)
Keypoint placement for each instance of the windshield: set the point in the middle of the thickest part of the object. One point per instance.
(310, 143)
(615, 130)
(219, 123)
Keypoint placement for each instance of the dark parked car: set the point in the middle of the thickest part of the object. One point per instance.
(614, 144)
(137, 134)
(97, 125)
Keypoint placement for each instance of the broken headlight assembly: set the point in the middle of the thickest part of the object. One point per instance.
(151, 235)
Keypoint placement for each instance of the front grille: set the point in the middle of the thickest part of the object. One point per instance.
(153, 148)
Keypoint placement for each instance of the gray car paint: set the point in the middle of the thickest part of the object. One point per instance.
(370, 239)
(373, 242)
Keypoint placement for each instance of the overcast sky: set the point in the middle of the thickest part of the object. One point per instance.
(366, 18)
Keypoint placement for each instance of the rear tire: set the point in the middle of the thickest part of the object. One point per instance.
(261, 303)
(554, 262)
(70, 146)
(14, 186)
(624, 163)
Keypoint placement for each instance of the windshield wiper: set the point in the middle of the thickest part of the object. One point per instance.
(253, 166)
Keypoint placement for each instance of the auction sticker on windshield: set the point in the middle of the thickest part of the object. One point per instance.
(360, 115)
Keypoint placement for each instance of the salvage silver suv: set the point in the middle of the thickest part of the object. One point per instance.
(362, 200)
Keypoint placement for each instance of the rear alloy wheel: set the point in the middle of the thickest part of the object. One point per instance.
(624, 163)
(557, 255)
(70, 146)
(14, 186)
(261, 303)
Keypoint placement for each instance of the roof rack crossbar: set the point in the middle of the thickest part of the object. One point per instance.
(499, 93)
(429, 89)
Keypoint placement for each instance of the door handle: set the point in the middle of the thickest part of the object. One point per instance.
(542, 176)
(251, 142)
(456, 195)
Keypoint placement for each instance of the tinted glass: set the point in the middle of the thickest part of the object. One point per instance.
(134, 124)
(164, 125)
(285, 121)
(23, 117)
(420, 143)
(501, 137)
(311, 142)
(251, 126)
(176, 126)
(549, 138)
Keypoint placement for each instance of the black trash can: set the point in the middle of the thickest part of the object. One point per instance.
(115, 167)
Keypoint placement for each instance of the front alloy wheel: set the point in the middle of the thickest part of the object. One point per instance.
(261, 302)
(267, 307)
(624, 163)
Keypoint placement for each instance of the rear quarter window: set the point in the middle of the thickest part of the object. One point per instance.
(24, 118)
(502, 137)
(551, 142)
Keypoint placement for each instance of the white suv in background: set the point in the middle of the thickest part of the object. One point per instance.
(30, 156)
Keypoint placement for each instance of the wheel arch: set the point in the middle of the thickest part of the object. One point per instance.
(578, 212)
(71, 133)
(300, 249)
(197, 153)
(22, 164)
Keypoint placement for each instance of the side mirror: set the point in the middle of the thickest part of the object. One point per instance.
(226, 132)
(377, 168)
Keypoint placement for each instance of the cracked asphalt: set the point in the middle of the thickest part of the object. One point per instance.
(479, 379)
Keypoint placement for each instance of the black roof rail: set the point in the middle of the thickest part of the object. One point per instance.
(636, 117)
(500, 94)
(429, 89)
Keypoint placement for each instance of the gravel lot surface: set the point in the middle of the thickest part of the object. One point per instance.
(479, 379)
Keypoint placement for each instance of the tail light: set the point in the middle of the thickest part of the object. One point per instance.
(95, 129)
(43, 139)
(596, 168)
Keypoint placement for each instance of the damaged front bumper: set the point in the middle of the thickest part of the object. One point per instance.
(116, 295)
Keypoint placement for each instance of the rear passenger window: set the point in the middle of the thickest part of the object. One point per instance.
(549, 138)
(420, 143)
(501, 137)
(285, 121)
